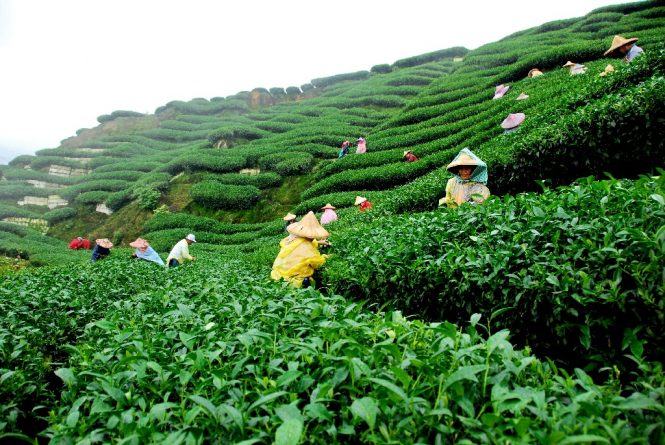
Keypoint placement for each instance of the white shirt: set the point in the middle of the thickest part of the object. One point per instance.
(180, 252)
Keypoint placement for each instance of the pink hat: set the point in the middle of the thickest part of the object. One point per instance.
(500, 90)
(522, 96)
(513, 120)
(346, 143)
(104, 242)
(140, 244)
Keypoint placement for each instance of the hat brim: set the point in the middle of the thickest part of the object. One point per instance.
(616, 46)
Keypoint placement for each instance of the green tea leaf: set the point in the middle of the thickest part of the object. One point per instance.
(289, 432)
(464, 373)
(366, 409)
(66, 375)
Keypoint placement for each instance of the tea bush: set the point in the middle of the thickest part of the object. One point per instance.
(215, 195)
(579, 267)
(262, 180)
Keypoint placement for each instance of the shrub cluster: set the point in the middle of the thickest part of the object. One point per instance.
(215, 195)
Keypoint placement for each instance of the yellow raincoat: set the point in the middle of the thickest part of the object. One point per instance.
(298, 259)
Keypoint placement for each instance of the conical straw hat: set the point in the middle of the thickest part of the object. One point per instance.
(406, 152)
(328, 206)
(308, 227)
(522, 96)
(359, 200)
(104, 242)
(568, 64)
(463, 159)
(535, 72)
(513, 120)
(289, 216)
(139, 243)
(618, 42)
(500, 90)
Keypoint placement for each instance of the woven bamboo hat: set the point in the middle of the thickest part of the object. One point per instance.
(139, 243)
(406, 152)
(535, 72)
(568, 64)
(463, 159)
(359, 200)
(522, 96)
(328, 206)
(104, 242)
(308, 227)
(289, 217)
(618, 42)
(513, 120)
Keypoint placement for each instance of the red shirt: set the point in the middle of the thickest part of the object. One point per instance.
(75, 244)
(410, 157)
(365, 206)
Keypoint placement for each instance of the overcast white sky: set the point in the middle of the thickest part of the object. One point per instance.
(65, 62)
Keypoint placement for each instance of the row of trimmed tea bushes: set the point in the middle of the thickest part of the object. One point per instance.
(107, 185)
(13, 190)
(379, 100)
(67, 153)
(132, 165)
(216, 195)
(179, 124)
(448, 53)
(287, 163)
(261, 181)
(234, 132)
(21, 174)
(215, 349)
(162, 221)
(212, 161)
(204, 107)
(370, 178)
(354, 161)
(337, 199)
(579, 267)
(590, 141)
(30, 244)
(178, 136)
(12, 210)
(164, 240)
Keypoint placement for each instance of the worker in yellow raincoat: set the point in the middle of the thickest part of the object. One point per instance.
(299, 256)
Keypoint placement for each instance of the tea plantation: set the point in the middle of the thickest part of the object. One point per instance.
(537, 317)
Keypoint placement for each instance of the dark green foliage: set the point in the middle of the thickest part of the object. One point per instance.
(262, 180)
(306, 87)
(292, 91)
(22, 160)
(146, 197)
(215, 195)
(18, 191)
(117, 200)
(107, 185)
(287, 163)
(7, 211)
(381, 68)
(60, 214)
(327, 81)
(579, 267)
(277, 91)
(116, 114)
(449, 53)
(261, 90)
(92, 197)
(46, 161)
(214, 162)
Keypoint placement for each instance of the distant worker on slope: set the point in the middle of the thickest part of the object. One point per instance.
(575, 68)
(409, 156)
(362, 146)
(145, 252)
(102, 249)
(622, 46)
(79, 243)
(180, 252)
(469, 181)
(289, 219)
(344, 150)
(362, 203)
(299, 255)
(329, 214)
